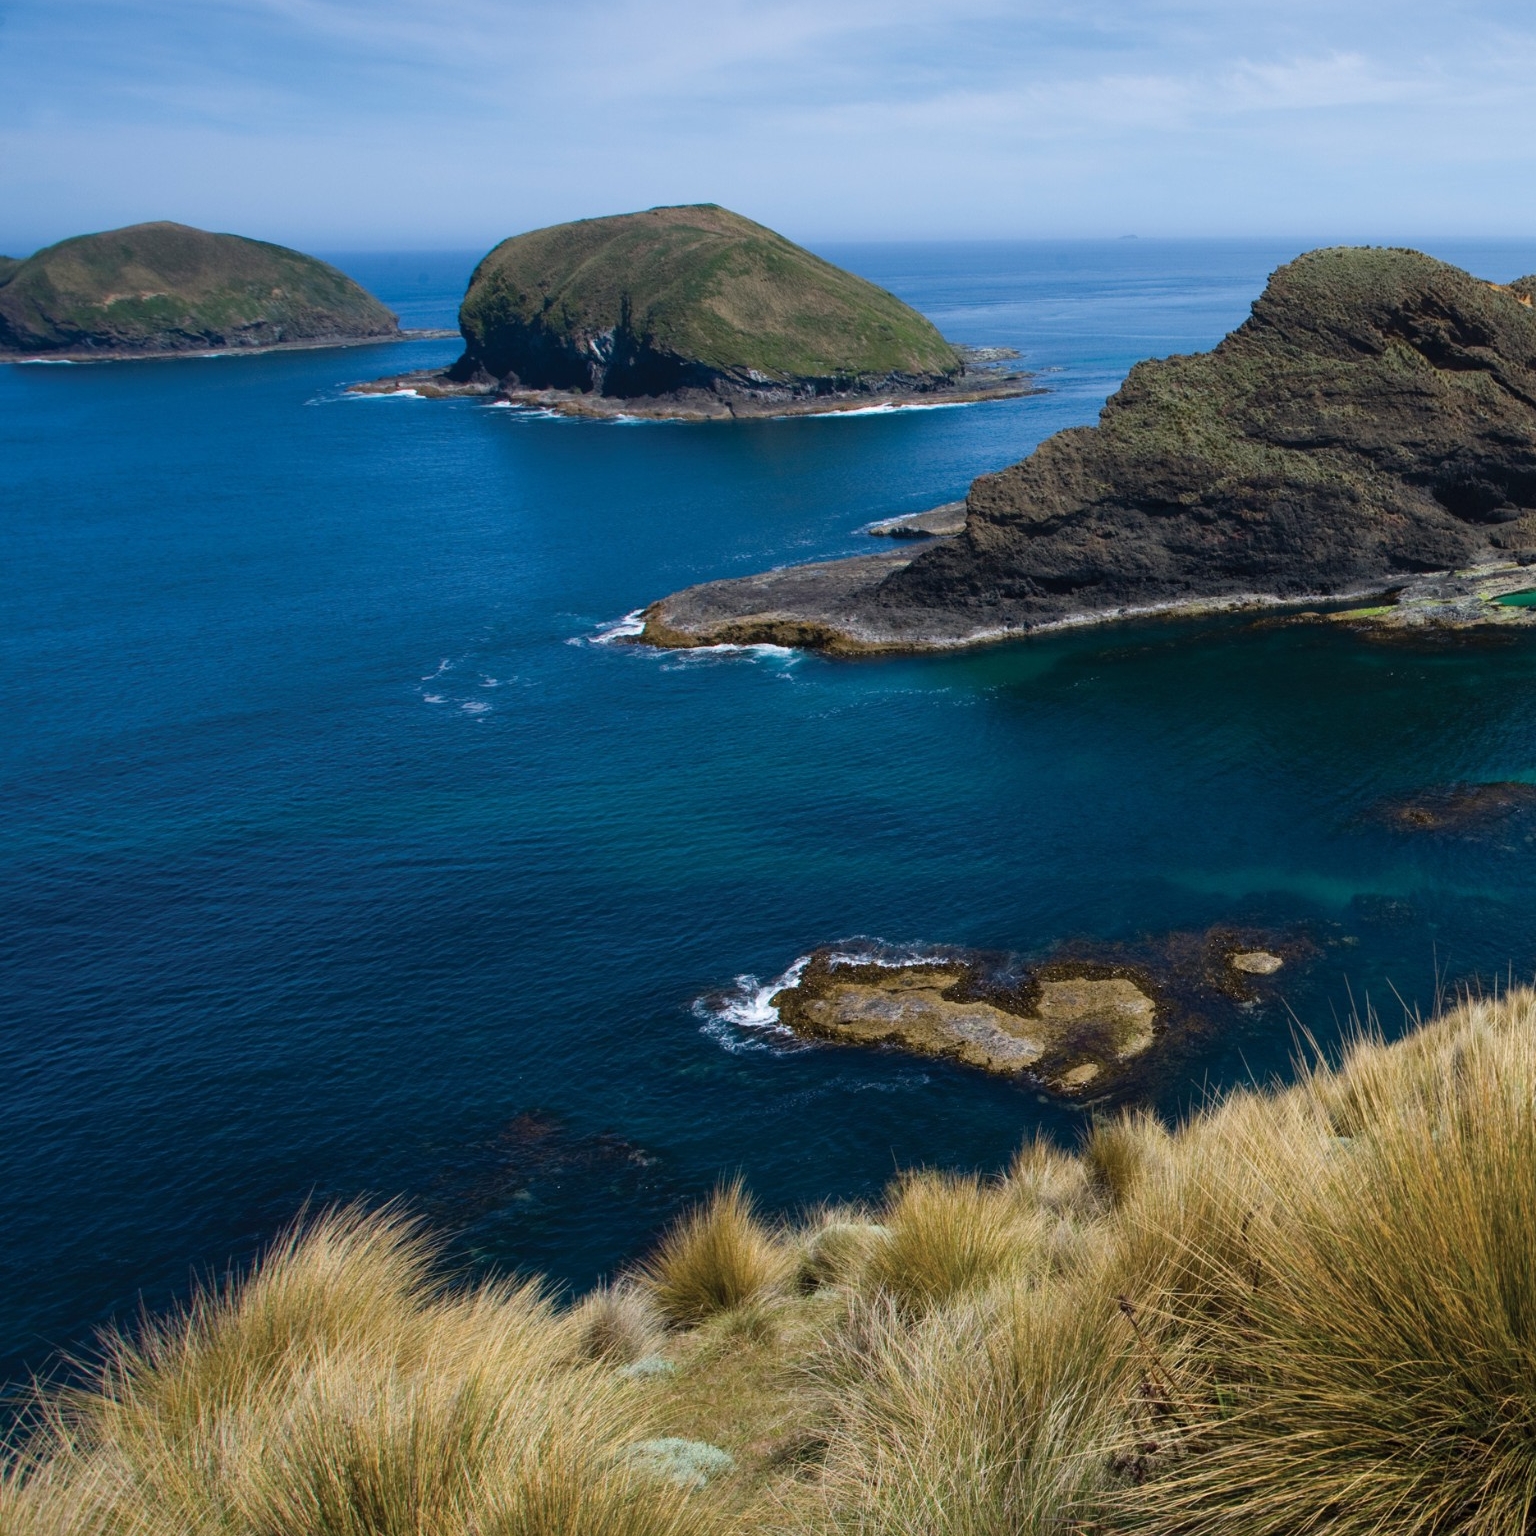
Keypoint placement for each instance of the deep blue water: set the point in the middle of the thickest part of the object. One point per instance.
(337, 860)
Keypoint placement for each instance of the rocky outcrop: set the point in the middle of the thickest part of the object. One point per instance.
(1092, 1021)
(693, 312)
(157, 288)
(1373, 419)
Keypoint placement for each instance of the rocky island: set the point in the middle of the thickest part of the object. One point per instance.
(1369, 430)
(167, 288)
(693, 313)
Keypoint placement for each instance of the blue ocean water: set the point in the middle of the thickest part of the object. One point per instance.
(339, 858)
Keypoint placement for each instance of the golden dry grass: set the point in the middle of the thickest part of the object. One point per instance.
(1311, 1310)
(339, 1391)
(716, 1258)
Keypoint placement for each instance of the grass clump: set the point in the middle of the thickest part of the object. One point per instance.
(947, 1236)
(716, 1258)
(618, 1323)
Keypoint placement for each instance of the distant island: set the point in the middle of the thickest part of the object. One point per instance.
(1369, 430)
(167, 288)
(693, 312)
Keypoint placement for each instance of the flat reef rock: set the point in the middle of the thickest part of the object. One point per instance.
(693, 312)
(1372, 423)
(1092, 1021)
(165, 288)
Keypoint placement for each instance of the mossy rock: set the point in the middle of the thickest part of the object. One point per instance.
(676, 299)
(169, 288)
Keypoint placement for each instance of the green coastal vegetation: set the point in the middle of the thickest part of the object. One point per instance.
(646, 304)
(1308, 1308)
(166, 287)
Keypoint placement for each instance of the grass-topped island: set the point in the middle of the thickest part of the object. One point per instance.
(162, 289)
(693, 313)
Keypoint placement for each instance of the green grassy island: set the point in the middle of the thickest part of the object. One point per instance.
(1305, 1309)
(164, 288)
(691, 311)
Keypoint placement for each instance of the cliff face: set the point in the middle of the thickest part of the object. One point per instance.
(1375, 414)
(168, 288)
(1374, 417)
(692, 298)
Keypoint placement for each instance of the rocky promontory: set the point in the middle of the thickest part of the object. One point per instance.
(166, 288)
(693, 312)
(1372, 423)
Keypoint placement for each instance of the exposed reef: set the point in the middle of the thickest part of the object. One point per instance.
(1093, 1021)
(694, 313)
(166, 288)
(1372, 423)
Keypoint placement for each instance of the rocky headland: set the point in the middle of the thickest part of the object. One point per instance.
(1091, 1021)
(693, 313)
(1368, 433)
(167, 288)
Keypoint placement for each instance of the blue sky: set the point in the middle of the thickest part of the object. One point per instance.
(451, 123)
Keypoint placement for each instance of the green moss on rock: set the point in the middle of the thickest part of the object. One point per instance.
(673, 299)
(169, 288)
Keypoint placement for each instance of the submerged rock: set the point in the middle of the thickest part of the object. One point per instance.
(1373, 420)
(693, 311)
(1459, 809)
(156, 288)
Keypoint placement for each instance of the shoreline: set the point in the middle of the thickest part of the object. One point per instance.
(162, 354)
(973, 388)
(1434, 602)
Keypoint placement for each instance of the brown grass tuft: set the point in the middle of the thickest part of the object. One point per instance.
(950, 1235)
(715, 1258)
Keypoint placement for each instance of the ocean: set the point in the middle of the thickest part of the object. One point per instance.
(343, 857)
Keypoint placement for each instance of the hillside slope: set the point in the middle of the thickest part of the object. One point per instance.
(647, 304)
(170, 288)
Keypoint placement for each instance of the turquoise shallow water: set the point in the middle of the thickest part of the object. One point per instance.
(337, 859)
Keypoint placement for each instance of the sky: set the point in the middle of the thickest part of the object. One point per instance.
(450, 124)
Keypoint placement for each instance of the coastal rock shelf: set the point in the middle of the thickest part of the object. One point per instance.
(694, 313)
(1369, 429)
(1090, 1022)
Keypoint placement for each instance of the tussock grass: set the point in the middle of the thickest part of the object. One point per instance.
(618, 1323)
(1303, 1311)
(716, 1258)
(339, 1391)
(1377, 1354)
(947, 1236)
